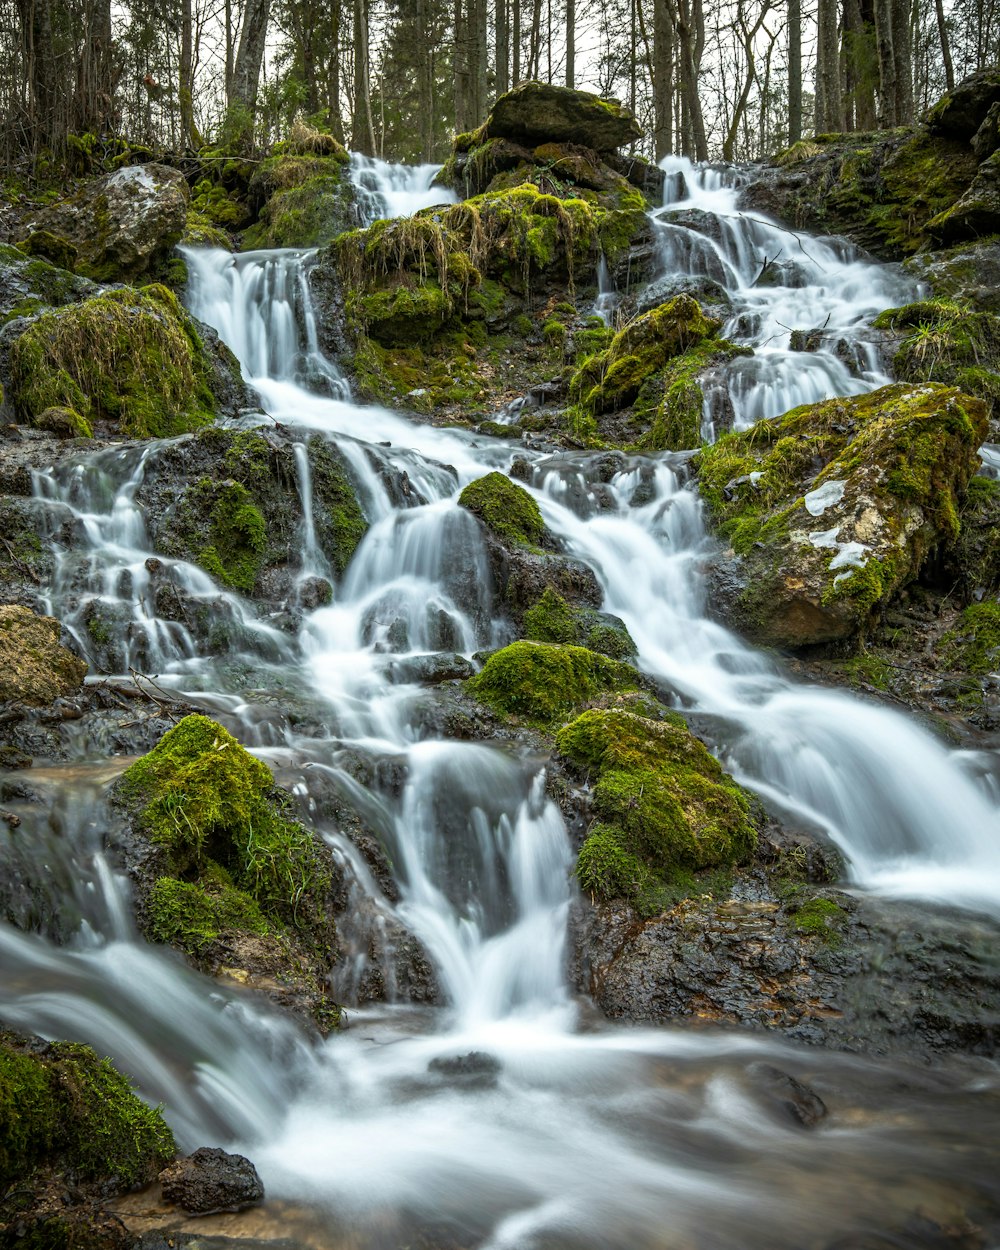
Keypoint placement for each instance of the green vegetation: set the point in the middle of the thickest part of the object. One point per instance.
(505, 508)
(214, 810)
(303, 200)
(664, 806)
(236, 539)
(973, 646)
(133, 357)
(822, 918)
(543, 681)
(62, 1105)
(552, 619)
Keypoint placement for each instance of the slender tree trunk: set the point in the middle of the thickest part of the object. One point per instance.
(185, 85)
(535, 41)
(48, 128)
(335, 114)
(480, 59)
(949, 71)
(502, 22)
(749, 37)
(794, 71)
(828, 99)
(571, 43)
(688, 19)
(663, 79)
(901, 44)
(362, 125)
(515, 41)
(460, 68)
(887, 95)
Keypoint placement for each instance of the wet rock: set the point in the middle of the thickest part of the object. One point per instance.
(476, 1070)
(27, 285)
(121, 224)
(211, 1180)
(830, 528)
(429, 669)
(967, 273)
(34, 668)
(537, 112)
(977, 211)
(791, 1099)
(712, 295)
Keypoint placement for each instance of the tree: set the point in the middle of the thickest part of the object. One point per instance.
(245, 83)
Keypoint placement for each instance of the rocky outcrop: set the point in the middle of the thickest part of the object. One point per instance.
(122, 224)
(536, 111)
(300, 200)
(30, 284)
(34, 668)
(833, 508)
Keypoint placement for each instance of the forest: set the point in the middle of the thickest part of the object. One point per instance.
(736, 79)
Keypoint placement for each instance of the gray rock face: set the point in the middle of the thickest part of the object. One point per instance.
(535, 113)
(961, 112)
(123, 223)
(212, 1180)
(977, 213)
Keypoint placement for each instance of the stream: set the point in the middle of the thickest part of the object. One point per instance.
(563, 1130)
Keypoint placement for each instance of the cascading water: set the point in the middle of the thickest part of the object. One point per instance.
(385, 189)
(778, 288)
(507, 1119)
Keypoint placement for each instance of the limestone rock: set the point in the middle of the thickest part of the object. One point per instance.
(34, 668)
(834, 507)
(536, 113)
(122, 224)
(212, 1180)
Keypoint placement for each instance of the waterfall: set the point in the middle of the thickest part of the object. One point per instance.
(386, 189)
(509, 1117)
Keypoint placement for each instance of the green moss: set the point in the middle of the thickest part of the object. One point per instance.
(51, 247)
(201, 231)
(340, 523)
(551, 619)
(822, 918)
(541, 681)
(505, 508)
(236, 535)
(64, 1106)
(304, 201)
(205, 800)
(663, 801)
(133, 357)
(973, 646)
(191, 916)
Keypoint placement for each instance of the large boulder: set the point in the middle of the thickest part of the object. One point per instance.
(833, 508)
(976, 213)
(123, 224)
(960, 113)
(29, 283)
(34, 668)
(212, 1180)
(301, 200)
(536, 112)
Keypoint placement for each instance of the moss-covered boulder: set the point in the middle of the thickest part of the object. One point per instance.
(223, 871)
(880, 189)
(946, 341)
(960, 112)
(643, 390)
(976, 213)
(300, 199)
(832, 508)
(122, 225)
(126, 359)
(662, 805)
(504, 508)
(30, 284)
(543, 682)
(34, 668)
(229, 501)
(539, 112)
(967, 274)
(62, 1107)
(552, 619)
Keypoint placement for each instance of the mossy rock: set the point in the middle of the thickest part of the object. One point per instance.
(542, 682)
(201, 231)
(834, 507)
(552, 619)
(34, 668)
(29, 285)
(57, 251)
(613, 378)
(504, 508)
(973, 646)
(236, 871)
(61, 1106)
(63, 423)
(536, 112)
(301, 201)
(132, 358)
(663, 805)
(945, 341)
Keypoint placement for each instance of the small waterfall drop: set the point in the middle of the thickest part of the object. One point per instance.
(387, 189)
(802, 303)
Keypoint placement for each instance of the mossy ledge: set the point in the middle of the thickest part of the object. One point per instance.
(895, 465)
(63, 1107)
(129, 358)
(663, 805)
(232, 866)
(543, 682)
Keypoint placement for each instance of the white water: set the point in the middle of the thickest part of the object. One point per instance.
(779, 281)
(385, 189)
(587, 1136)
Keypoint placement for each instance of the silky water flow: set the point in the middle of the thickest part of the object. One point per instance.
(581, 1133)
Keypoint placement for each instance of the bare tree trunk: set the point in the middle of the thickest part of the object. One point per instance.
(887, 96)
(794, 71)
(949, 70)
(901, 44)
(828, 100)
(515, 41)
(362, 125)
(749, 37)
(663, 79)
(535, 41)
(689, 19)
(571, 43)
(246, 70)
(185, 96)
(480, 59)
(502, 21)
(336, 117)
